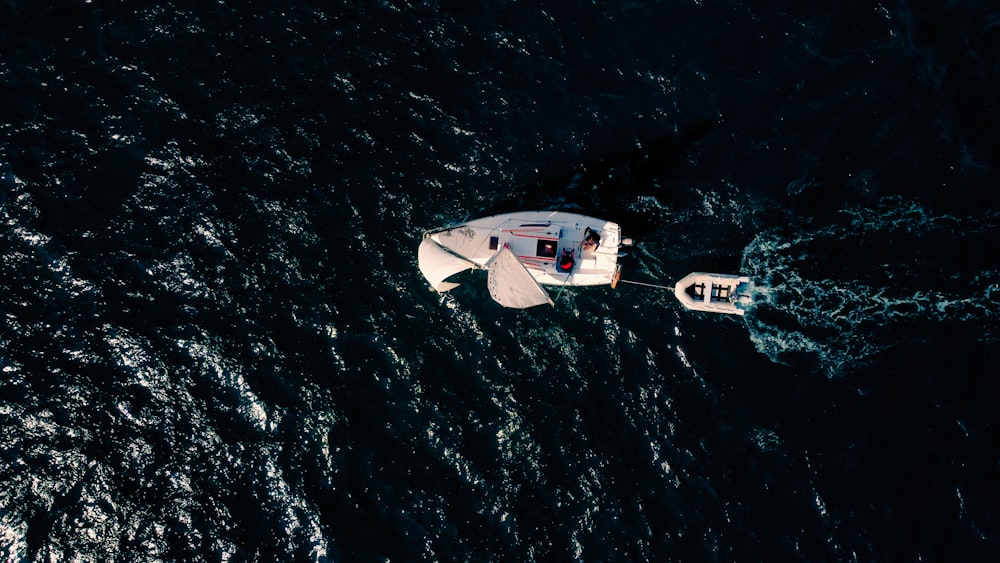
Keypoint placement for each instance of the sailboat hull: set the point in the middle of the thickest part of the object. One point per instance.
(541, 240)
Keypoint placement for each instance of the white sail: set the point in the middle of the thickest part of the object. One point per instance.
(510, 283)
(436, 264)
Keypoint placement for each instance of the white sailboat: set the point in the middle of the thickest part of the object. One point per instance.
(524, 251)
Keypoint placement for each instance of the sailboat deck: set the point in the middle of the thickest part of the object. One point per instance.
(539, 239)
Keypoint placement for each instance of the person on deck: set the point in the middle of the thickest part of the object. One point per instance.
(566, 261)
(591, 240)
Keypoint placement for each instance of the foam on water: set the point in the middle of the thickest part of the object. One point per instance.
(846, 291)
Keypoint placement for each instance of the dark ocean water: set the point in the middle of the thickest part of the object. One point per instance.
(216, 344)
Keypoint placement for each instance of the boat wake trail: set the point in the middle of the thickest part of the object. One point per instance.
(840, 294)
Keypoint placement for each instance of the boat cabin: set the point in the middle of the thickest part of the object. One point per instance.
(541, 246)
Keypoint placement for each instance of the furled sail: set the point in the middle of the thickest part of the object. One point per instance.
(510, 283)
(437, 264)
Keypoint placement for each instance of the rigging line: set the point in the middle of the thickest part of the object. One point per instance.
(647, 284)
(561, 288)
